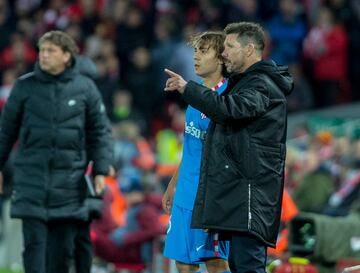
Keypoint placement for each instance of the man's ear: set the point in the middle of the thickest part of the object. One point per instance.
(250, 49)
(66, 57)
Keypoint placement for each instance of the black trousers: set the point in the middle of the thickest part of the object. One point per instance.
(247, 254)
(51, 247)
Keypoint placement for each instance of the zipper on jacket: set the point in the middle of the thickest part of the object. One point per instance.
(249, 207)
(52, 149)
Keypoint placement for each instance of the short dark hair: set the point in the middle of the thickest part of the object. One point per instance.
(61, 39)
(248, 32)
(214, 39)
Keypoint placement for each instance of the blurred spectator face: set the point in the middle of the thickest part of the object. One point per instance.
(108, 49)
(325, 18)
(122, 101)
(208, 9)
(288, 8)
(101, 67)
(248, 7)
(18, 47)
(119, 9)
(108, 67)
(52, 58)
(141, 58)
(26, 26)
(88, 7)
(9, 77)
(188, 31)
(75, 32)
(122, 98)
(164, 27)
(134, 18)
(113, 65)
(100, 30)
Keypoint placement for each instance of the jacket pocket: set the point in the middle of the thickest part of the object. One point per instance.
(268, 159)
(229, 166)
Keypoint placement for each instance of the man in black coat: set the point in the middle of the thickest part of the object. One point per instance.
(59, 120)
(242, 168)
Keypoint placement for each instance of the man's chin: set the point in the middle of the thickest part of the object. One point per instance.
(44, 67)
(47, 70)
(228, 67)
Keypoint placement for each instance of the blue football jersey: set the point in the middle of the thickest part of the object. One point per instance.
(196, 124)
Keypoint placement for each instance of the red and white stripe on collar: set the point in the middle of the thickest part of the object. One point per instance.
(219, 84)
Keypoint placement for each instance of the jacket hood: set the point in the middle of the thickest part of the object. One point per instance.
(278, 73)
(42, 75)
(85, 66)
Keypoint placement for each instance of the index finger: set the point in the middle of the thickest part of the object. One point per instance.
(171, 73)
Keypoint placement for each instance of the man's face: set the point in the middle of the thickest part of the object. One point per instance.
(52, 58)
(206, 62)
(234, 54)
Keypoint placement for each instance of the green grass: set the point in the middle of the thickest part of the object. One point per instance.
(4, 270)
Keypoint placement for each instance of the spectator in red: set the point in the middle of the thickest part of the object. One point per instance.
(326, 46)
(129, 243)
(19, 51)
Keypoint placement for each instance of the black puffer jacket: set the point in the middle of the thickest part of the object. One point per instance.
(61, 125)
(242, 168)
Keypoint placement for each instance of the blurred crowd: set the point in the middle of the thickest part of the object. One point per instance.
(132, 41)
(322, 178)
(323, 167)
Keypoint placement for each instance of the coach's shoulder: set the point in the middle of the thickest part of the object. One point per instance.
(27, 76)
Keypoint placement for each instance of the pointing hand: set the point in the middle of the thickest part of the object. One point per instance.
(175, 82)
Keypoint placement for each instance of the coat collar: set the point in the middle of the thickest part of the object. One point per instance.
(67, 75)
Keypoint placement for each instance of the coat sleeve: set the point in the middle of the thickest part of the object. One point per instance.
(10, 122)
(244, 103)
(98, 132)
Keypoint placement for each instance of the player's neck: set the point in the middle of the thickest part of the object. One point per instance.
(213, 80)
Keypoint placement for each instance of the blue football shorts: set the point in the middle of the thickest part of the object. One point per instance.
(191, 246)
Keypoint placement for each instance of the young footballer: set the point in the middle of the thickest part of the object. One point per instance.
(191, 247)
